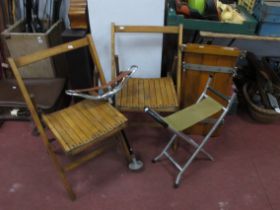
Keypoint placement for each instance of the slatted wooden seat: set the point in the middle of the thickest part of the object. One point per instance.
(161, 94)
(76, 128)
(158, 93)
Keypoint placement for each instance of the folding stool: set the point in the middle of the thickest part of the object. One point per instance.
(177, 122)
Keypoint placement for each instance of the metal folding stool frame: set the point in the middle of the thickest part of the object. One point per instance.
(178, 133)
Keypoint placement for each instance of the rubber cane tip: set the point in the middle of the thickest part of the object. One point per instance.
(176, 186)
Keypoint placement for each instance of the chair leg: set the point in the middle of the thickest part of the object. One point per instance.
(134, 164)
(62, 175)
(192, 142)
(125, 146)
(182, 169)
(164, 151)
(178, 179)
(175, 145)
(188, 163)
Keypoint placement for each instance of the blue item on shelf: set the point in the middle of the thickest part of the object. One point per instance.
(267, 11)
(268, 15)
(269, 29)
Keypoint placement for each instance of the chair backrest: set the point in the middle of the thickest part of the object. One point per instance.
(16, 63)
(149, 29)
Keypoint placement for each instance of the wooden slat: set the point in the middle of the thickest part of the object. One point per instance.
(117, 116)
(147, 93)
(73, 127)
(239, 36)
(129, 99)
(95, 58)
(43, 54)
(158, 95)
(108, 116)
(147, 29)
(135, 93)
(179, 64)
(165, 97)
(169, 94)
(170, 86)
(84, 114)
(141, 93)
(118, 97)
(29, 103)
(63, 137)
(84, 124)
(96, 122)
(124, 94)
(113, 52)
(211, 50)
(92, 111)
(83, 159)
(153, 97)
(108, 122)
(111, 117)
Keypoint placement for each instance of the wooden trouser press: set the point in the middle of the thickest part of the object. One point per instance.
(200, 61)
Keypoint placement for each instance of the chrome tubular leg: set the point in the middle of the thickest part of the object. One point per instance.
(178, 179)
(192, 142)
(165, 149)
(196, 145)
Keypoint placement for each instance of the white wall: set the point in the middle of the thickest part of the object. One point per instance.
(146, 51)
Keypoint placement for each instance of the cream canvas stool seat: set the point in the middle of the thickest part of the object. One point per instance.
(177, 122)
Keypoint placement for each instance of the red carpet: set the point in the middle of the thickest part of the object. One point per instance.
(245, 173)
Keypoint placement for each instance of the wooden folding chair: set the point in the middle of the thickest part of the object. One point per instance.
(78, 127)
(161, 94)
(205, 107)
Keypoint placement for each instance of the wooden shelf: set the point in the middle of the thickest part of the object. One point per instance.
(238, 36)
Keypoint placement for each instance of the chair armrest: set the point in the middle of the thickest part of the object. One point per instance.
(113, 87)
